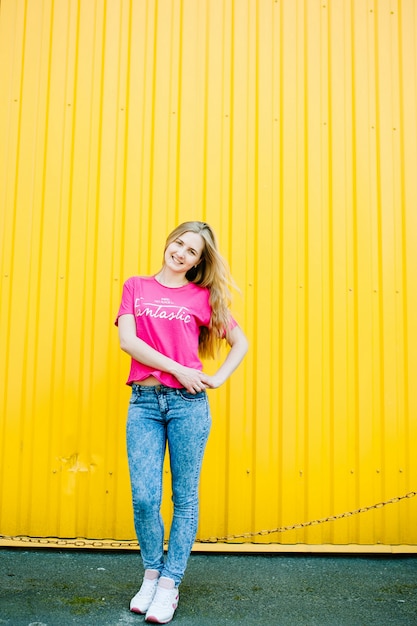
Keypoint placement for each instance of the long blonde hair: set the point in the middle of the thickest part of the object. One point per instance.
(212, 272)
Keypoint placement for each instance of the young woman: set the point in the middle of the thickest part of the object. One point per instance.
(165, 323)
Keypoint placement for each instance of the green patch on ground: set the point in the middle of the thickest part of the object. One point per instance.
(81, 604)
(399, 589)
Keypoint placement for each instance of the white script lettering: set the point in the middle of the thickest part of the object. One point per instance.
(161, 312)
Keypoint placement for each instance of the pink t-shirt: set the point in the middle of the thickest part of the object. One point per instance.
(169, 320)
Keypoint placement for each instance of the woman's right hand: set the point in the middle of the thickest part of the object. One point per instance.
(190, 378)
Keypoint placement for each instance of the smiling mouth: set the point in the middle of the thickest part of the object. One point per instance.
(176, 261)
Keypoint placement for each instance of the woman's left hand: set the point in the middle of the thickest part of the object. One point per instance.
(212, 382)
(238, 348)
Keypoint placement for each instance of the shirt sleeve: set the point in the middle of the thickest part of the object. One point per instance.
(127, 304)
(232, 323)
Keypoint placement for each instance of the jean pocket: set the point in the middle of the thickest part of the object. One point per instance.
(192, 397)
(134, 397)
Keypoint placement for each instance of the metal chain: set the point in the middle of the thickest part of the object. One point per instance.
(330, 518)
(110, 543)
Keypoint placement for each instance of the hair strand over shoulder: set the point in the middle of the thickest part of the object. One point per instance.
(212, 272)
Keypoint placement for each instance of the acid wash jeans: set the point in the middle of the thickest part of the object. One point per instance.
(158, 415)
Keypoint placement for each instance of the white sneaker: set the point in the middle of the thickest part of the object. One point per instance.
(163, 606)
(141, 602)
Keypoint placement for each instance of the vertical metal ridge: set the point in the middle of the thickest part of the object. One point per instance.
(288, 126)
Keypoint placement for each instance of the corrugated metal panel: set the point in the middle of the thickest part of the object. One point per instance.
(290, 126)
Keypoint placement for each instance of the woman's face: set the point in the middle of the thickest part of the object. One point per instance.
(184, 252)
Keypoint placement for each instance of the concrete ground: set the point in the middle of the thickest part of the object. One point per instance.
(44, 587)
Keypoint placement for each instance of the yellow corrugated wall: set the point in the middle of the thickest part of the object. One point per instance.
(290, 126)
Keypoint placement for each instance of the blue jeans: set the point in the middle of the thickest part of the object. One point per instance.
(158, 415)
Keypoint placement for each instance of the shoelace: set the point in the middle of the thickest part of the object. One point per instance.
(147, 589)
(164, 598)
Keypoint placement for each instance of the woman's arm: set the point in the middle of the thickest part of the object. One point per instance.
(238, 348)
(139, 350)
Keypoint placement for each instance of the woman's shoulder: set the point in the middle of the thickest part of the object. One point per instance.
(200, 296)
(133, 280)
(198, 289)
